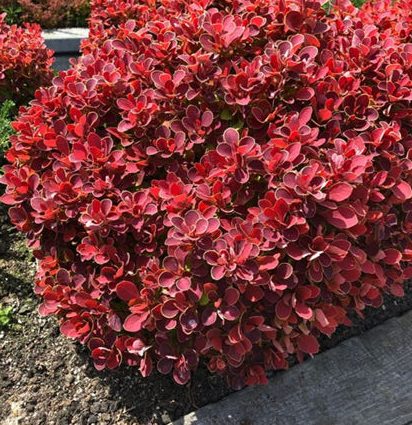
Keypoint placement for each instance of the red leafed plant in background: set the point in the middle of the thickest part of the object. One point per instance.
(220, 182)
(25, 62)
(51, 13)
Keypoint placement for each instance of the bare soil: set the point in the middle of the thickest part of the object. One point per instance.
(46, 379)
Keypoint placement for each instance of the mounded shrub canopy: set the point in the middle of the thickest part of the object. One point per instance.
(222, 181)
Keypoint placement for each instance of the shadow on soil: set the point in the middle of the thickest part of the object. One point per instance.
(157, 399)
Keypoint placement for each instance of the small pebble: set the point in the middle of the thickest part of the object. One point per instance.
(92, 419)
(166, 418)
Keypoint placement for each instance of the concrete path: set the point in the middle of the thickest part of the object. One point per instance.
(66, 44)
(366, 380)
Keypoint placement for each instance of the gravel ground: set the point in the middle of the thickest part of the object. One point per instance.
(47, 379)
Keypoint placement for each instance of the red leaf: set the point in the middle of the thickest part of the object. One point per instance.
(282, 310)
(284, 271)
(342, 218)
(126, 290)
(18, 215)
(305, 93)
(125, 104)
(402, 191)
(397, 290)
(217, 272)
(169, 309)
(124, 126)
(79, 153)
(321, 318)
(295, 252)
(308, 344)
(165, 365)
(181, 375)
(68, 329)
(183, 283)
(230, 313)
(392, 256)
(340, 191)
(231, 296)
(293, 20)
(254, 293)
(7, 199)
(209, 317)
(303, 311)
(73, 329)
(167, 279)
(134, 322)
(146, 365)
(324, 114)
(269, 262)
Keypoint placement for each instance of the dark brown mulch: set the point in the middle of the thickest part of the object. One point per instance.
(46, 379)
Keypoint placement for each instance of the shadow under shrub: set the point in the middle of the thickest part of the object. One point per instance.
(226, 181)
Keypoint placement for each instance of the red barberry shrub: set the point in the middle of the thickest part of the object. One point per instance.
(224, 181)
(54, 13)
(25, 62)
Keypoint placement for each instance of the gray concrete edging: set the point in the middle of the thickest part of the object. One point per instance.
(365, 380)
(65, 40)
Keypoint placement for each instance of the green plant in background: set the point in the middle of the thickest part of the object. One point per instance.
(358, 3)
(329, 4)
(13, 11)
(77, 17)
(7, 110)
(5, 316)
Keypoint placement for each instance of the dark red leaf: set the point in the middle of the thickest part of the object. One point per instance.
(308, 344)
(126, 290)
